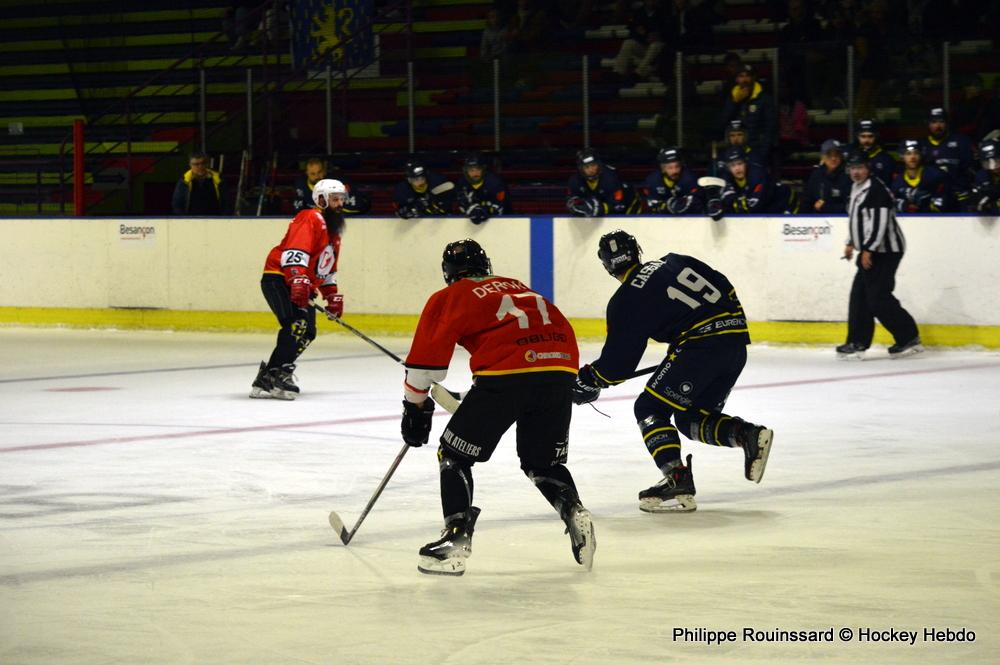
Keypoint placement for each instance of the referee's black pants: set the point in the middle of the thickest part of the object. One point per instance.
(871, 298)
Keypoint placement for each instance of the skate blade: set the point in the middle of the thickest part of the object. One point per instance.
(912, 351)
(859, 355)
(682, 503)
(582, 523)
(764, 440)
(260, 393)
(286, 395)
(454, 567)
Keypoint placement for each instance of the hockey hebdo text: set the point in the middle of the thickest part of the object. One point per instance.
(861, 634)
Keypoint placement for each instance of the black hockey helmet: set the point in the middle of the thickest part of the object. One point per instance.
(937, 115)
(735, 126)
(668, 155)
(618, 251)
(735, 153)
(586, 157)
(464, 258)
(989, 154)
(856, 158)
(866, 126)
(473, 160)
(909, 145)
(415, 169)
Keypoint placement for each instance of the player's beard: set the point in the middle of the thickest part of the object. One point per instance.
(334, 221)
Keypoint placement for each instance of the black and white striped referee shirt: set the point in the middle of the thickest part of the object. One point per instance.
(872, 218)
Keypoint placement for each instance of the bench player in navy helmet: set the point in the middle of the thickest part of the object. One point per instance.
(672, 189)
(595, 190)
(481, 194)
(679, 300)
(986, 186)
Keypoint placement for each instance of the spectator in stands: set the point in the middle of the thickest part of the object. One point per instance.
(595, 190)
(829, 186)
(200, 190)
(748, 102)
(750, 190)
(481, 194)
(793, 121)
(423, 193)
(881, 164)
(236, 23)
(979, 111)
(526, 36)
(797, 41)
(672, 189)
(733, 64)
(919, 187)
(493, 43)
(950, 152)
(355, 202)
(985, 197)
(642, 47)
(876, 39)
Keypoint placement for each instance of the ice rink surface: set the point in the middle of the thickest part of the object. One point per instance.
(151, 513)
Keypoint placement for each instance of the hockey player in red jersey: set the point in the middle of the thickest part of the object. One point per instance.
(305, 261)
(524, 358)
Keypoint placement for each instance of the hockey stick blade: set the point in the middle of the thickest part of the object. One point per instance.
(447, 399)
(711, 181)
(443, 187)
(338, 526)
(441, 395)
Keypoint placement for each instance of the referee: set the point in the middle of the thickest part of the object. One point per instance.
(880, 244)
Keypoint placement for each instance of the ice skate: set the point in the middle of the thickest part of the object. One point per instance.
(756, 444)
(261, 386)
(581, 535)
(910, 348)
(447, 554)
(674, 494)
(851, 351)
(283, 382)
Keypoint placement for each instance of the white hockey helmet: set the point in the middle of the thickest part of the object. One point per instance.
(325, 189)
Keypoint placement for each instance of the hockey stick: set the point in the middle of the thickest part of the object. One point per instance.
(446, 398)
(338, 524)
(443, 187)
(711, 181)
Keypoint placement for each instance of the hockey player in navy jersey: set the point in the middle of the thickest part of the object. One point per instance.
(986, 186)
(882, 164)
(949, 152)
(672, 189)
(481, 194)
(423, 194)
(595, 190)
(750, 190)
(918, 187)
(679, 300)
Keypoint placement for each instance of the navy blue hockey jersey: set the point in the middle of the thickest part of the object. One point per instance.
(677, 299)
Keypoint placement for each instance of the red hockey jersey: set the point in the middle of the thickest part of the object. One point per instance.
(507, 327)
(306, 248)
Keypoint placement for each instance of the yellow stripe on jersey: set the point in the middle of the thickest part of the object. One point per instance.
(525, 370)
(601, 377)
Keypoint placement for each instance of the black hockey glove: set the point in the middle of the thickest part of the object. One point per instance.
(583, 207)
(714, 208)
(678, 205)
(477, 214)
(408, 212)
(416, 424)
(587, 387)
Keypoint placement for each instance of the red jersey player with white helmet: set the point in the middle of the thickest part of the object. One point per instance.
(304, 261)
(524, 360)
